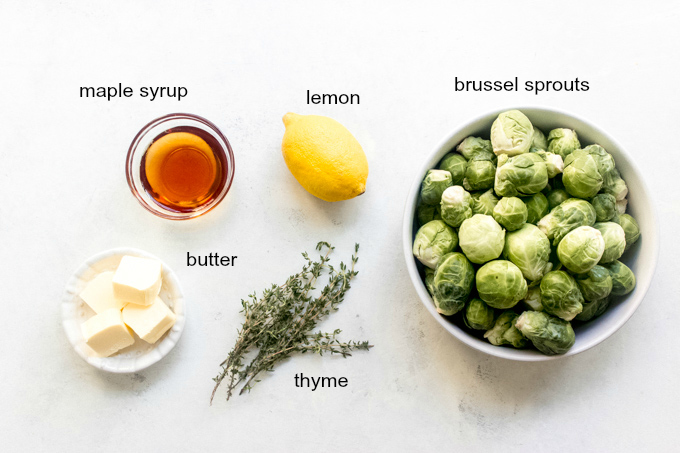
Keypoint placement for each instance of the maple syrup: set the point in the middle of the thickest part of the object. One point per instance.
(184, 168)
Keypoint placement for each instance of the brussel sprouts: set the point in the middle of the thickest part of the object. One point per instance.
(630, 228)
(427, 213)
(504, 331)
(553, 163)
(604, 160)
(581, 176)
(614, 241)
(538, 141)
(484, 202)
(456, 205)
(480, 171)
(623, 279)
(548, 334)
(593, 309)
(614, 185)
(481, 238)
(541, 224)
(556, 197)
(566, 217)
(429, 280)
(471, 145)
(511, 133)
(529, 249)
(563, 142)
(605, 207)
(595, 284)
(434, 185)
(455, 164)
(452, 283)
(537, 207)
(511, 212)
(533, 299)
(525, 174)
(621, 206)
(478, 315)
(434, 240)
(560, 295)
(501, 284)
(581, 249)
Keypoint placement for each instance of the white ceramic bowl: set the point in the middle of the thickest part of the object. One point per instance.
(641, 258)
(75, 311)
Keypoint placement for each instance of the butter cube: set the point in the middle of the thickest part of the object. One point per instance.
(149, 322)
(106, 333)
(98, 294)
(137, 280)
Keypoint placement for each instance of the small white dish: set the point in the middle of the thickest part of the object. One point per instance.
(641, 258)
(74, 311)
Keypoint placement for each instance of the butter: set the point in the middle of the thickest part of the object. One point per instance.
(98, 294)
(106, 333)
(137, 280)
(149, 322)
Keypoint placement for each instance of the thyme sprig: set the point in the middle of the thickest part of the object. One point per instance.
(281, 321)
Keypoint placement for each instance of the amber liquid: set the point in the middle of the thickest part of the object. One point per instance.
(183, 169)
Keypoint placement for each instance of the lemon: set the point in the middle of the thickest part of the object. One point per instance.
(324, 157)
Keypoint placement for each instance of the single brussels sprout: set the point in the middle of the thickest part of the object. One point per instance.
(481, 238)
(593, 309)
(623, 279)
(478, 315)
(595, 284)
(504, 331)
(452, 283)
(434, 240)
(613, 184)
(471, 145)
(501, 284)
(538, 141)
(533, 299)
(581, 249)
(604, 160)
(563, 142)
(525, 174)
(621, 206)
(511, 133)
(614, 241)
(455, 164)
(480, 171)
(434, 185)
(581, 176)
(529, 249)
(556, 197)
(548, 334)
(560, 295)
(426, 213)
(537, 207)
(484, 202)
(605, 206)
(511, 212)
(553, 163)
(630, 228)
(565, 217)
(456, 205)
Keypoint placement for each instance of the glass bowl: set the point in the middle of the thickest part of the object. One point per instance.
(178, 122)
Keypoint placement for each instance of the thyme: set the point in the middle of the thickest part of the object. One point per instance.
(280, 322)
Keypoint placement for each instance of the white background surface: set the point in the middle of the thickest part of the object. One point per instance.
(65, 198)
